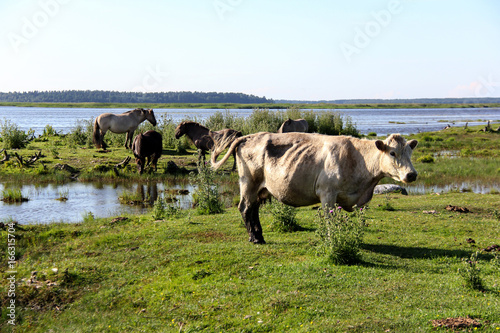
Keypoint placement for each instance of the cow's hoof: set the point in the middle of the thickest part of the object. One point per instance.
(259, 241)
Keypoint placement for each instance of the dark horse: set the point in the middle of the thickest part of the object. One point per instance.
(126, 122)
(147, 145)
(203, 138)
(299, 125)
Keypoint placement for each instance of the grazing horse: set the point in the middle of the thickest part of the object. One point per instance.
(205, 139)
(126, 122)
(299, 125)
(147, 145)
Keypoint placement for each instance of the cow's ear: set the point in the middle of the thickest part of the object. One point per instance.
(380, 145)
(413, 144)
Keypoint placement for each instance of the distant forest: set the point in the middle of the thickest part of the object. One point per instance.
(466, 100)
(100, 96)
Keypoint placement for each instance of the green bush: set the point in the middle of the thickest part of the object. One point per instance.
(207, 197)
(426, 159)
(81, 135)
(470, 272)
(340, 234)
(284, 217)
(13, 137)
(162, 209)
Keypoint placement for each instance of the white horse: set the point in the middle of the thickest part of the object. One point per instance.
(126, 122)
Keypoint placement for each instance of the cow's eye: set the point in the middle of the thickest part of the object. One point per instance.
(393, 154)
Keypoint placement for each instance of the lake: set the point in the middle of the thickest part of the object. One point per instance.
(102, 199)
(380, 121)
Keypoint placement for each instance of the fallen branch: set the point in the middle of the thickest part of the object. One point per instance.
(30, 160)
(123, 163)
(6, 156)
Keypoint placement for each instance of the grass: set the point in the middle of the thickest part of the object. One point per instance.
(199, 274)
(13, 196)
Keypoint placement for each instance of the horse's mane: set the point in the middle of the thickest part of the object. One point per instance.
(130, 111)
(195, 124)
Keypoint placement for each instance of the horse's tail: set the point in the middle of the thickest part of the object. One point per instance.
(221, 145)
(97, 134)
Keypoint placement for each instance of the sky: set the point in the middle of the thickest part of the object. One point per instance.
(280, 49)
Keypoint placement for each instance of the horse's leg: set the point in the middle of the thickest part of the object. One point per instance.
(128, 138)
(103, 144)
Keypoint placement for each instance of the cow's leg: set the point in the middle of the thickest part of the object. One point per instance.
(234, 164)
(249, 209)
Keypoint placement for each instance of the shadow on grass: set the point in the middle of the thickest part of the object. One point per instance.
(415, 252)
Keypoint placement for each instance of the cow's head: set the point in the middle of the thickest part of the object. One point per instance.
(395, 161)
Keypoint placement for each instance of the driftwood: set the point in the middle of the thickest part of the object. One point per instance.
(30, 160)
(6, 156)
(121, 165)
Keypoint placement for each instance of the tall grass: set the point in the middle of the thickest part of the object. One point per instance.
(12, 137)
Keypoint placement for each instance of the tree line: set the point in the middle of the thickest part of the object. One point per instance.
(102, 96)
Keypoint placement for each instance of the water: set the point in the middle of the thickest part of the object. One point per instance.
(380, 121)
(102, 199)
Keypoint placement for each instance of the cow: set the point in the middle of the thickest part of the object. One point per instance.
(147, 145)
(299, 125)
(301, 169)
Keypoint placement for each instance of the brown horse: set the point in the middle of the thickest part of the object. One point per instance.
(147, 145)
(203, 138)
(126, 122)
(299, 125)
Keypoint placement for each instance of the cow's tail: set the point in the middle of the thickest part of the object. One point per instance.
(97, 135)
(221, 145)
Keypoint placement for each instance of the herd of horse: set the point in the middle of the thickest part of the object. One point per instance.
(147, 147)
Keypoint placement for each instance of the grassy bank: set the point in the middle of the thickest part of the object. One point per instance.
(199, 273)
(445, 157)
(254, 106)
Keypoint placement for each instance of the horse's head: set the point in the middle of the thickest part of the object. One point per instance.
(150, 116)
(180, 130)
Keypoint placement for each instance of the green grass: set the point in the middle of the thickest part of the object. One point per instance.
(13, 196)
(199, 274)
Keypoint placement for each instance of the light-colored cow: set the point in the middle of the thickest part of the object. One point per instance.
(299, 125)
(301, 169)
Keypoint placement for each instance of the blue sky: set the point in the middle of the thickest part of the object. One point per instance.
(294, 49)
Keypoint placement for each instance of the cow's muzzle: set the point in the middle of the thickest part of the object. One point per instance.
(410, 177)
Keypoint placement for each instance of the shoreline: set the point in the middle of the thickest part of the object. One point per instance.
(253, 106)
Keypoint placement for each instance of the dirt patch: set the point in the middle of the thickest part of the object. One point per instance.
(456, 323)
(452, 208)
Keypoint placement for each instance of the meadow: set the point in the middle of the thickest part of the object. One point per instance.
(187, 272)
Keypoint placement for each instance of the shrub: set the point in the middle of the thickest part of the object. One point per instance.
(426, 159)
(283, 217)
(206, 196)
(49, 131)
(162, 209)
(81, 135)
(471, 273)
(340, 234)
(13, 137)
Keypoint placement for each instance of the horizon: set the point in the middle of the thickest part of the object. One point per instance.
(303, 51)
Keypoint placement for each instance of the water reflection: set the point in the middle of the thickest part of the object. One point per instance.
(102, 199)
